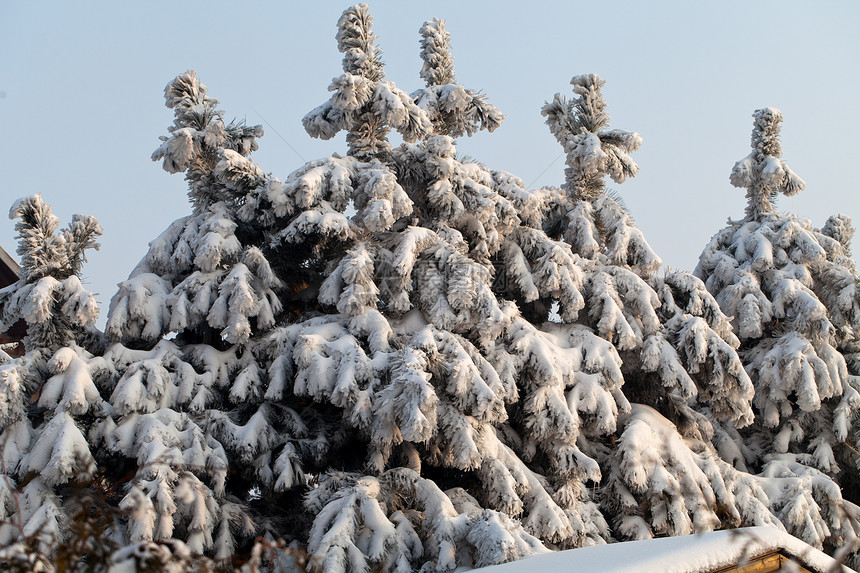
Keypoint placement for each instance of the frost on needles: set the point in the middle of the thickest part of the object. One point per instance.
(401, 359)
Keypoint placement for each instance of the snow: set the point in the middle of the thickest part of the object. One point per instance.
(685, 554)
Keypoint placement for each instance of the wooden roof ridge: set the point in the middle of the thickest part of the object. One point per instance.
(12, 264)
(10, 270)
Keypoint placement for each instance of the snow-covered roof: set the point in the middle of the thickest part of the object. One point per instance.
(707, 552)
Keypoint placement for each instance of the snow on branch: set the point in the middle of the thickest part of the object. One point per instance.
(593, 150)
(762, 172)
(362, 103)
(453, 109)
(200, 142)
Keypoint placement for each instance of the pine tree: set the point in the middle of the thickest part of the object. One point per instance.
(49, 296)
(175, 403)
(792, 291)
(247, 392)
(676, 348)
(49, 395)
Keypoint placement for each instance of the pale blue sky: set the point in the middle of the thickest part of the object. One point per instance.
(81, 103)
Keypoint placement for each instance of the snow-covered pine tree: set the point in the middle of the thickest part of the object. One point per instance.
(188, 417)
(49, 296)
(48, 397)
(438, 425)
(676, 346)
(794, 297)
(354, 391)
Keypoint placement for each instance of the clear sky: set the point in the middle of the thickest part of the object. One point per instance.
(81, 104)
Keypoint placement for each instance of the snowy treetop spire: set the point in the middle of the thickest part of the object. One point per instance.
(762, 172)
(357, 42)
(453, 109)
(187, 91)
(199, 139)
(43, 251)
(438, 68)
(590, 107)
(361, 103)
(593, 150)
